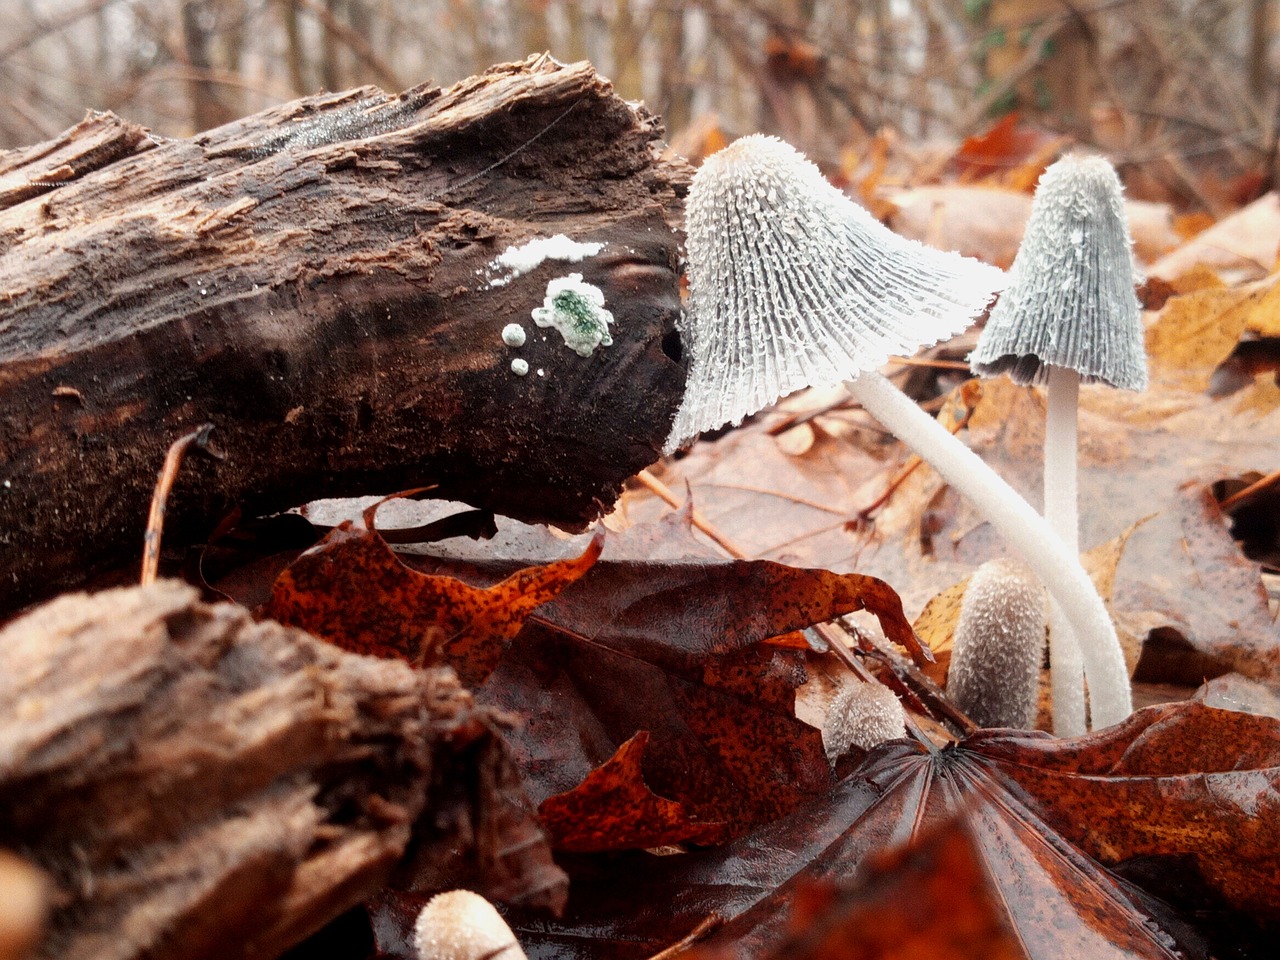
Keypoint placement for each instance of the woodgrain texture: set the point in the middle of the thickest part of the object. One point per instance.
(195, 784)
(315, 281)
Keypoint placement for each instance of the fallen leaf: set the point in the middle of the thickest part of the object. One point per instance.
(1232, 691)
(1225, 613)
(1240, 247)
(936, 627)
(1195, 333)
(1180, 784)
(676, 650)
(612, 809)
(352, 590)
(1007, 153)
(987, 221)
(934, 897)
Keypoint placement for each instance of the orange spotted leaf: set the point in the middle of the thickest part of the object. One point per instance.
(613, 809)
(353, 591)
(932, 898)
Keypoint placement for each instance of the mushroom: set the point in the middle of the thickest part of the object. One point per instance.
(461, 925)
(1069, 314)
(863, 714)
(791, 284)
(999, 640)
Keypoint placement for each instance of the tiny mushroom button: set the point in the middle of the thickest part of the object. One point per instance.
(994, 675)
(1069, 314)
(461, 925)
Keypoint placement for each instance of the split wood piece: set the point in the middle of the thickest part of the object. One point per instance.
(317, 281)
(195, 784)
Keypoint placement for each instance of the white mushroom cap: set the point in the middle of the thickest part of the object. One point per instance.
(792, 284)
(863, 715)
(461, 925)
(1070, 301)
(999, 642)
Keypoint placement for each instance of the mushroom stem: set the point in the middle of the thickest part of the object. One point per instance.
(1022, 528)
(1062, 511)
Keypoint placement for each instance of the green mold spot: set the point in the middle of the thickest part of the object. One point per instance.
(576, 310)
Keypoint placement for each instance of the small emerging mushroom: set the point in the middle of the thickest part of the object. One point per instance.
(461, 925)
(1069, 314)
(999, 642)
(792, 285)
(862, 715)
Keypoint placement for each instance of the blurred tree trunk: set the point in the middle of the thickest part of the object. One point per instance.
(295, 57)
(330, 74)
(1039, 59)
(1261, 27)
(207, 109)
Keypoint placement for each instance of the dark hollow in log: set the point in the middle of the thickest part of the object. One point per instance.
(195, 784)
(317, 281)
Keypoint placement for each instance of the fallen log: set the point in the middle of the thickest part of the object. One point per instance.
(322, 283)
(194, 784)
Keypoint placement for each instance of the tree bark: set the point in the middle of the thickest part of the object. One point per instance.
(195, 784)
(315, 281)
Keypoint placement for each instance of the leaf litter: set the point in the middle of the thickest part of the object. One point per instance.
(656, 690)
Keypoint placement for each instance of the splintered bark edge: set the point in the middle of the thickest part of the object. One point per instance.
(195, 784)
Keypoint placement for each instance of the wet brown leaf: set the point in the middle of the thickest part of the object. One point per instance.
(677, 649)
(1186, 787)
(612, 809)
(931, 898)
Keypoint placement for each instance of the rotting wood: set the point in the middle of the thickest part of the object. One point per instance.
(195, 784)
(314, 280)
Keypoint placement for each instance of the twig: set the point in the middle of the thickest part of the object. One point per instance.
(928, 362)
(160, 498)
(762, 491)
(654, 485)
(864, 515)
(1031, 59)
(354, 41)
(1251, 491)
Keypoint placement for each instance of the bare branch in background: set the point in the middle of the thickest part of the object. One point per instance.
(1141, 79)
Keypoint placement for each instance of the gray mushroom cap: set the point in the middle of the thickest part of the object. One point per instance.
(792, 285)
(1070, 301)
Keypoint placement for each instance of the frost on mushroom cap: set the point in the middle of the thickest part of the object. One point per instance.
(1070, 301)
(792, 284)
(461, 925)
(999, 641)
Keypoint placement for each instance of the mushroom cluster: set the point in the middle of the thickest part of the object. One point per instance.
(791, 285)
